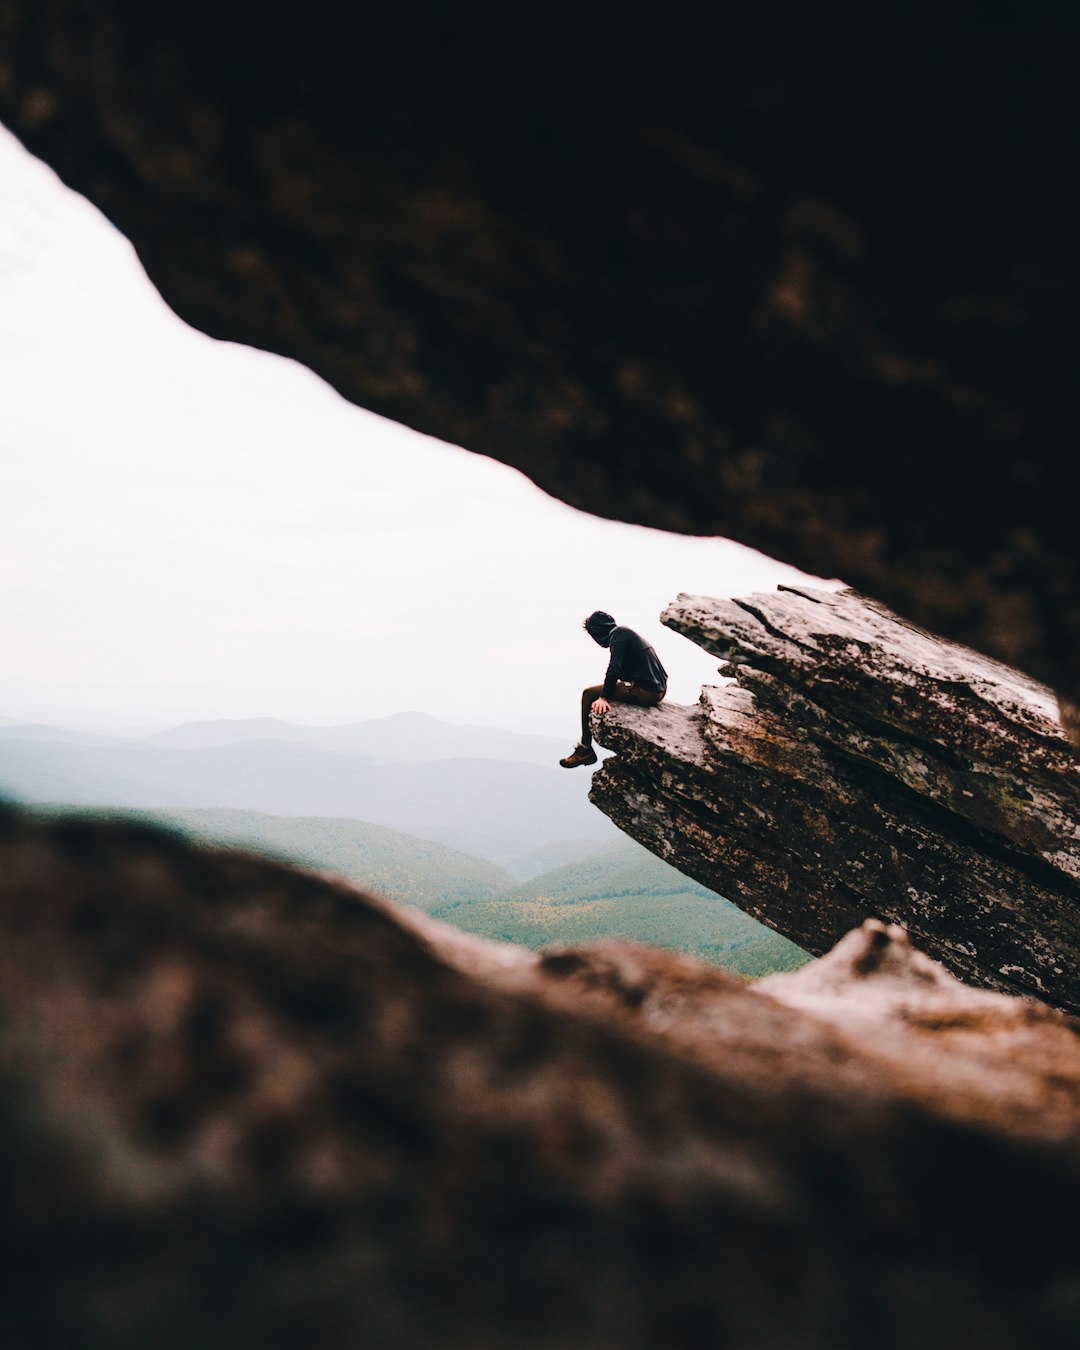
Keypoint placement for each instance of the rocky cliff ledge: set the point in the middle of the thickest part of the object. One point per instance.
(858, 766)
(244, 1107)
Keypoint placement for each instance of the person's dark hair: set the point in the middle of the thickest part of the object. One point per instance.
(599, 625)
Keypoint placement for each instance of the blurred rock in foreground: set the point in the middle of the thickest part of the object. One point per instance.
(247, 1106)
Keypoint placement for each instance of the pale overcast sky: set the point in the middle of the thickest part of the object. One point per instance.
(194, 529)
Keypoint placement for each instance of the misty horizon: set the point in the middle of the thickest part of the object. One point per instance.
(509, 721)
(196, 530)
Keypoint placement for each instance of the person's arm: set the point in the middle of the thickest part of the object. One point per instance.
(617, 647)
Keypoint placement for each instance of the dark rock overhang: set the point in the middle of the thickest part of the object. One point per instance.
(800, 277)
(860, 767)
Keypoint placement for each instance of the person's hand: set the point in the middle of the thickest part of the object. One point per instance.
(601, 706)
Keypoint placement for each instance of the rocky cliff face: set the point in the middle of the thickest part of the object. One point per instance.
(859, 767)
(244, 1106)
(740, 271)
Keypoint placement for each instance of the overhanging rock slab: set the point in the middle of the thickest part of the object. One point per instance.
(860, 767)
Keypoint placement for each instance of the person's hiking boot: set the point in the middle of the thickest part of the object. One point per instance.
(581, 754)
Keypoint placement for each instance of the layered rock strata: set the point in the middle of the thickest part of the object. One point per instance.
(857, 766)
(246, 1106)
(746, 270)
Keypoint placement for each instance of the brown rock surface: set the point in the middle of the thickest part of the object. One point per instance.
(799, 278)
(248, 1106)
(861, 767)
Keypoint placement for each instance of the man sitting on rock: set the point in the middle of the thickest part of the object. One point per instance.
(634, 675)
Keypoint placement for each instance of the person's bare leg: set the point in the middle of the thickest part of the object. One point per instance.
(588, 698)
(583, 752)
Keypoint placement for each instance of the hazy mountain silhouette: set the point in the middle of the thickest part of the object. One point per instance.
(625, 891)
(495, 809)
(548, 857)
(42, 731)
(616, 891)
(403, 737)
(398, 866)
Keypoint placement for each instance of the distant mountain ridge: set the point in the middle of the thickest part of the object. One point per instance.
(620, 891)
(624, 891)
(491, 808)
(401, 737)
(398, 866)
(546, 858)
(44, 731)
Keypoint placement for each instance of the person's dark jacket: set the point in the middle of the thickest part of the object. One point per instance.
(632, 659)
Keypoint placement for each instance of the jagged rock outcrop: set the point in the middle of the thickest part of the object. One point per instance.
(748, 271)
(245, 1106)
(860, 767)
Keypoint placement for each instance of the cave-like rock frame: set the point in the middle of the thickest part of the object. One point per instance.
(795, 277)
(771, 274)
